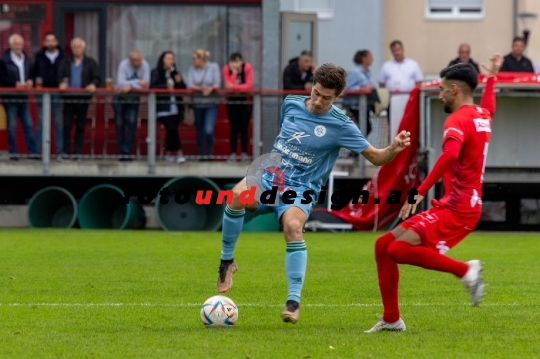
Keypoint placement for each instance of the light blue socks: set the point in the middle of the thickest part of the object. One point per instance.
(295, 266)
(233, 221)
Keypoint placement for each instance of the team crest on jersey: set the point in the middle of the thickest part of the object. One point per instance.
(430, 218)
(482, 125)
(320, 131)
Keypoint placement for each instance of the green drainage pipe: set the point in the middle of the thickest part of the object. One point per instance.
(103, 206)
(52, 207)
(189, 216)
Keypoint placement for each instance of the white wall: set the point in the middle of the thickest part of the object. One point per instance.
(356, 25)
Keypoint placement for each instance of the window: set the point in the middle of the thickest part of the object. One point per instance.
(183, 29)
(455, 9)
(323, 8)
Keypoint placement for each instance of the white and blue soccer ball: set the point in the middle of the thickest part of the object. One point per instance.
(219, 311)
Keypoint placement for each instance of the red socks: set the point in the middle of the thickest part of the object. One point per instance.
(389, 252)
(388, 273)
(405, 253)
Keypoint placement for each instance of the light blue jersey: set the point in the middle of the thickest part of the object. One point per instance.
(309, 144)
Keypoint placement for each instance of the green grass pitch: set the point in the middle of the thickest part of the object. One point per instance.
(126, 294)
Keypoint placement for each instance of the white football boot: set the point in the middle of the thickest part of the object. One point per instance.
(398, 326)
(472, 280)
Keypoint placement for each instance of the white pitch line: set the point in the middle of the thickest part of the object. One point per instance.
(184, 305)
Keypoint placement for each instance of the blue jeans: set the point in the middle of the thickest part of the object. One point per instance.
(205, 120)
(125, 114)
(20, 109)
(56, 107)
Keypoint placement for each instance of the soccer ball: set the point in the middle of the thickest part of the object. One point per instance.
(219, 311)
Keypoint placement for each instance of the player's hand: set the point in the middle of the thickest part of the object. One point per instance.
(401, 141)
(496, 63)
(91, 88)
(409, 209)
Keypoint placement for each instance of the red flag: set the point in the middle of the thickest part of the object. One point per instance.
(401, 174)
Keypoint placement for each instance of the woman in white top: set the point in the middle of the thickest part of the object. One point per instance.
(204, 78)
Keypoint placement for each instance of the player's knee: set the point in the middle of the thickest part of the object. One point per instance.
(293, 228)
(396, 251)
(382, 243)
(238, 191)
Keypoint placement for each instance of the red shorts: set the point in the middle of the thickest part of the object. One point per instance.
(440, 228)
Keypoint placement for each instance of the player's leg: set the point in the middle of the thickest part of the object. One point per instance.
(293, 221)
(388, 276)
(233, 221)
(439, 236)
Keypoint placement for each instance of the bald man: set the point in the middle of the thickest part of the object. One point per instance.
(133, 74)
(77, 71)
(464, 55)
(16, 72)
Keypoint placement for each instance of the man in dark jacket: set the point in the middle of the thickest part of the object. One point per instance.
(516, 61)
(46, 66)
(298, 75)
(77, 71)
(16, 72)
(464, 55)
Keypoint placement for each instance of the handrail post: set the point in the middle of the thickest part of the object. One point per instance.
(151, 139)
(46, 133)
(363, 119)
(257, 125)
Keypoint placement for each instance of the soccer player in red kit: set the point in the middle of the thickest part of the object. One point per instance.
(423, 239)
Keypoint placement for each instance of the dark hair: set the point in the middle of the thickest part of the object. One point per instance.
(49, 34)
(235, 56)
(159, 67)
(519, 38)
(394, 43)
(359, 56)
(463, 72)
(306, 53)
(331, 77)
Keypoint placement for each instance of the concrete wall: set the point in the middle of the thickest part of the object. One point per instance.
(357, 24)
(433, 43)
(533, 50)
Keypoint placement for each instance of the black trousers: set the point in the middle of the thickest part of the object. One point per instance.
(172, 138)
(74, 113)
(239, 116)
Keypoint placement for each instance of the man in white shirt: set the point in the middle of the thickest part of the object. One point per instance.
(400, 74)
(16, 71)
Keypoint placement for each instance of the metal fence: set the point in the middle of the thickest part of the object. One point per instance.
(100, 127)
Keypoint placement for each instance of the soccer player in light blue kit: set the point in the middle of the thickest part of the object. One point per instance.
(312, 133)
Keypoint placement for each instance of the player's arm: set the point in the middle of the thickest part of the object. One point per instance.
(382, 156)
(488, 98)
(450, 154)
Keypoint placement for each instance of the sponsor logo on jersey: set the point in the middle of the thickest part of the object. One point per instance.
(298, 136)
(320, 131)
(288, 152)
(482, 125)
(290, 119)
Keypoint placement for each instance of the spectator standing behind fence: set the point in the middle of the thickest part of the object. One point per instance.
(204, 78)
(133, 74)
(401, 74)
(238, 76)
(298, 75)
(464, 56)
(16, 71)
(360, 78)
(46, 66)
(170, 109)
(77, 71)
(515, 61)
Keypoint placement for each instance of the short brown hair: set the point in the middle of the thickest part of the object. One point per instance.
(331, 77)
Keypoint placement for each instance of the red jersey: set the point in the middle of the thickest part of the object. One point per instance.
(465, 147)
(471, 126)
